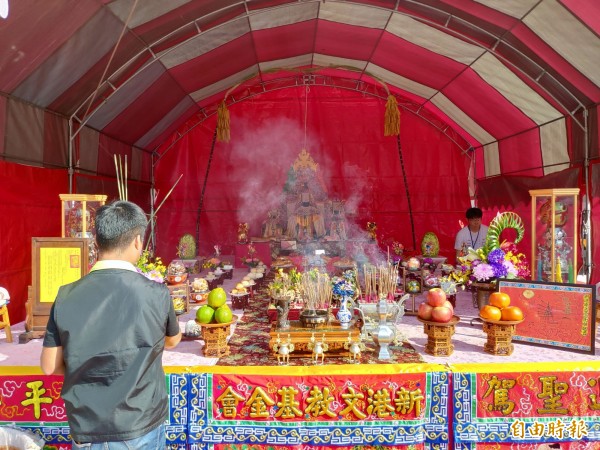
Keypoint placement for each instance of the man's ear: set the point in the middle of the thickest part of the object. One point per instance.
(138, 243)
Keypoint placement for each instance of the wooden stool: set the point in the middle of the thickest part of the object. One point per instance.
(5, 322)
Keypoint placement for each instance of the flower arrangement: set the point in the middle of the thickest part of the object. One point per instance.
(344, 286)
(151, 268)
(494, 260)
(284, 284)
(251, 260)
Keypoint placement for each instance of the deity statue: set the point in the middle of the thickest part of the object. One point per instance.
(272, 228)
(372, 229)
(243, 233)
(337, 223)
(305, 205)
(309, 219)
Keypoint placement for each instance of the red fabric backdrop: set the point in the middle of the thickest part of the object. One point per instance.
(344, 135)
(30, 207)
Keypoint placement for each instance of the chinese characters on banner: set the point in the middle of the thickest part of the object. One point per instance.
(527, 407)
(403, 410)
(325, 410)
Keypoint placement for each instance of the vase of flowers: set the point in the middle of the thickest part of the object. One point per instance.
(344, 289)
(250, 259)
(151, 267)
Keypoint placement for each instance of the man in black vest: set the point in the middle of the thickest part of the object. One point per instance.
(106, 333)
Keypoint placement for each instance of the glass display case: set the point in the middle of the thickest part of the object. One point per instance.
(78, 213)
(554, 222)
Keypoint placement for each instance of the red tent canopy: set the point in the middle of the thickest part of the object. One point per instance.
(487, 89)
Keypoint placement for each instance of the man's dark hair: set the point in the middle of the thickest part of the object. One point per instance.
(474, 213)
(118, 223)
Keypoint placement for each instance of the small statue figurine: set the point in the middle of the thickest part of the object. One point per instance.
(272, 228)
(318, 348)
(243, 233)
(354, 347)
(372, 229)
(283, 349)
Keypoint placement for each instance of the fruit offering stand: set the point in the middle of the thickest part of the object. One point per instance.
(439, 336)
(499, 336)
(215, 337)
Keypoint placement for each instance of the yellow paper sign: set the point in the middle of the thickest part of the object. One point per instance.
(58, 266)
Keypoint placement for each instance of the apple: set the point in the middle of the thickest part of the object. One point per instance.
(436, 297)
(424, 311)
(441, 314)
(447, 304)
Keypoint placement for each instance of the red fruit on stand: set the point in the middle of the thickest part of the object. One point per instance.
(447, 304)
(441, 314)
(424, 311)
(436, 297)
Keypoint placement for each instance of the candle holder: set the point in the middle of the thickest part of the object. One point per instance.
(318, 348)
(283, 349)
(384, 335)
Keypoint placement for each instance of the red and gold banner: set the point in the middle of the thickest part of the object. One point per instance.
(527, 406)
(31, 398)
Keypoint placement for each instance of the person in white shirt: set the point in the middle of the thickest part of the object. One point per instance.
(473, 235)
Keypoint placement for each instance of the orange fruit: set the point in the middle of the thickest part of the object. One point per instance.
(512, 313)
(490, 312)
(499, 299)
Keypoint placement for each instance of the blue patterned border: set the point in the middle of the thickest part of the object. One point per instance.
(469, 429)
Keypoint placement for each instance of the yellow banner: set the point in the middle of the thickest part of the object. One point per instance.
(58, 266)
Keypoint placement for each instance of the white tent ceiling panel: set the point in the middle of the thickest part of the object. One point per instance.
(332, 61)
(161, 126)
(491, 159)
(399, 81)
(287, 15)
(71, 61)
(433, 39)
(353, 14)
(554, 146)
(205, 42)
(461, 118)
(150, 11)
(224, 84)
(568, 36)
(286, 63)
(514, 89)
(514, 8)
(125, 96)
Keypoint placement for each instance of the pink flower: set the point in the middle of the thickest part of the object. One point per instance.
(483, 272)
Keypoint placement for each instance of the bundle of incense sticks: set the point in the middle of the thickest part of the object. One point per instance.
(316, 290)
(380, 281)
(121, 176)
